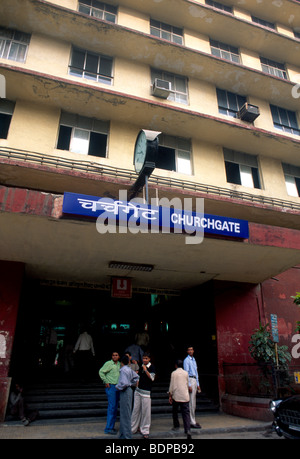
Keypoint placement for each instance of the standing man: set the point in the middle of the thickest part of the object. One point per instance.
(128, 378)
(141, 415)
(85, 348)
(190, 365)
(109, 374)
(179, 396)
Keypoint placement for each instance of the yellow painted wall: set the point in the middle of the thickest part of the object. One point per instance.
(242, 14)
(273, 177)
(35, 126)
(48, 55)
(196, 40)
(285, 30)
(133, 19)
(250, 59)
(126, 16)
(72, 4)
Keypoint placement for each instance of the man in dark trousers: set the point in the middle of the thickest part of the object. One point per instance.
(179, 396)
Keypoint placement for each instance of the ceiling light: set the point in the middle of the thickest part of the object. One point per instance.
(130, 266)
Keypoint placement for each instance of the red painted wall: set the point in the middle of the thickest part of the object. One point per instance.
(277, 300)
(11, 276)
(239, 308)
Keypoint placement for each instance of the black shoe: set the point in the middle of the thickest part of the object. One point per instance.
(188, 435)
(196, 426)
(111, 432)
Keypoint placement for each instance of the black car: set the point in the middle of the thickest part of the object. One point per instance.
(287, 417)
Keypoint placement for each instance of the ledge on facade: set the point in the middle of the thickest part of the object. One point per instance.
(88, 169)
(108, 34)
(208, 19)
(247, 407)
(90, 99)
(20, 200)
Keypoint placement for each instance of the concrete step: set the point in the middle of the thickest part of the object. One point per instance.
(63, 400)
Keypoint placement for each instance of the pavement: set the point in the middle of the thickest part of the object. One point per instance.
(93, 428)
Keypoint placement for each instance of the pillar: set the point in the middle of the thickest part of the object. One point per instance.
(11, 276)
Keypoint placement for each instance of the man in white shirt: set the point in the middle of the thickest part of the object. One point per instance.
(179, 396)
(84, 343)
(190, 365)
(85, 349)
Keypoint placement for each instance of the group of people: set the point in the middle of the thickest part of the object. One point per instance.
(129, 382)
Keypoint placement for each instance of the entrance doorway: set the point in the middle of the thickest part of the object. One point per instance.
(51, 318)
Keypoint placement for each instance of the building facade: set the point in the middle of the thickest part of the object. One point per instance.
(218, 85)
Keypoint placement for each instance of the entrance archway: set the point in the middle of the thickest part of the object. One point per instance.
(171, 322)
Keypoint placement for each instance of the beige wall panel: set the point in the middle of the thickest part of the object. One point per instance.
(34, 127)
(48, 55)
(121, 144)
(196, 40)
(208, 164)
(250, 59)
(293, 74)
(273, 177)
(132, 78)
(133, 19)
(285, 30)
(72, 4)
(242, 14)
(202, 97)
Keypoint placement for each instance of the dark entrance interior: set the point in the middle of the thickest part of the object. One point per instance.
(171, 322)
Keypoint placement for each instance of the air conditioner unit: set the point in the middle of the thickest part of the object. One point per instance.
(248, 112)
(161, 88)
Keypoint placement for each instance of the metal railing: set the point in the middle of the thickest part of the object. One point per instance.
(261, 380)
(91, 167)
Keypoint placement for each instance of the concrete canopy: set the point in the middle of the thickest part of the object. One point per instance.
(54, 247)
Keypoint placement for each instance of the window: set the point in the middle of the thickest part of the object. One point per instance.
(168, 32)
(6, 112)
(292, 179)
(91, 66)
(297, 34)
(229, 103)
(224, 51)
(80, 134)
(174, 154)
(241, 168)
(178, 85)
(13, 44)
(263, 23)
(285, 120)
(219, 6)
(98, 10)
(273, 68)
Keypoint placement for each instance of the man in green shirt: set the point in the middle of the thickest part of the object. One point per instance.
(109, 374)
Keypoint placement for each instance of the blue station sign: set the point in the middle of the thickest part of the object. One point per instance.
(155, 217)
